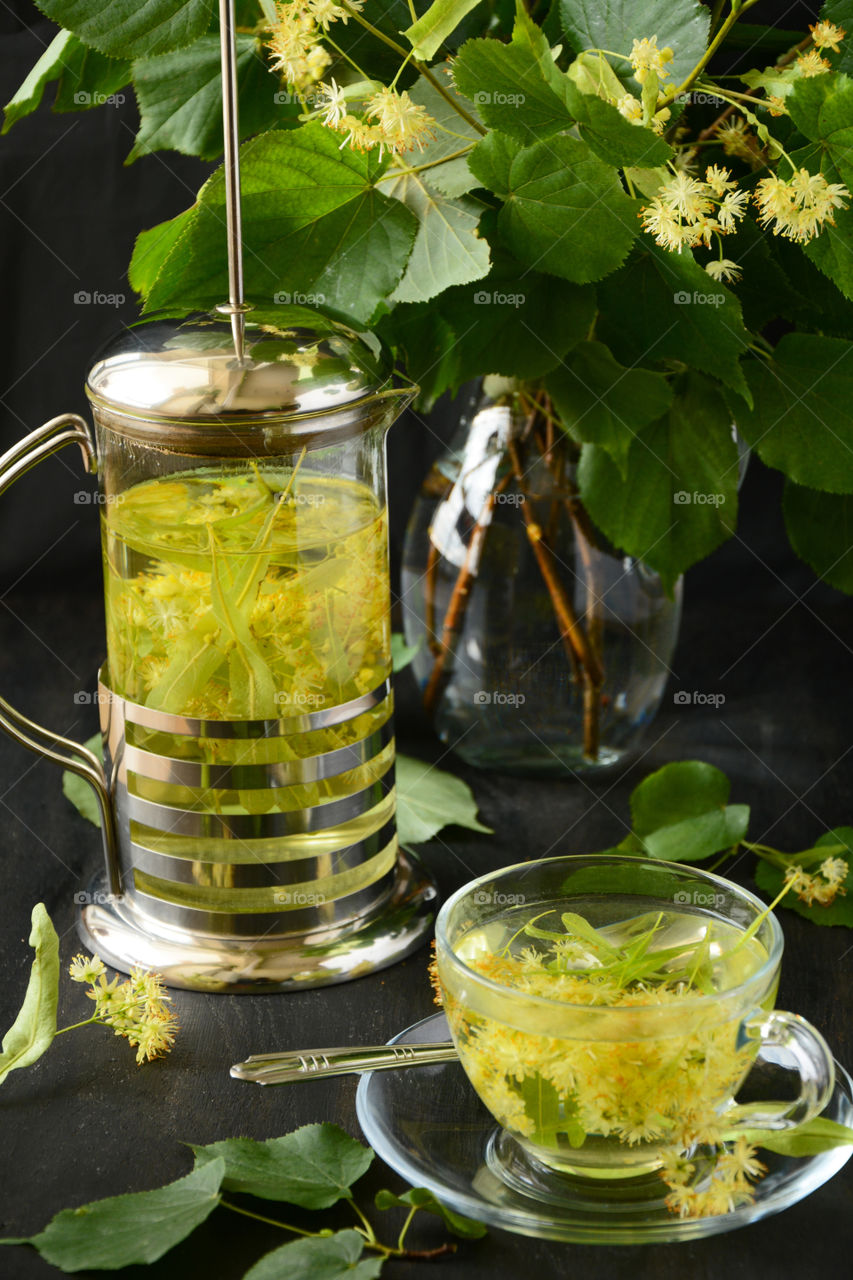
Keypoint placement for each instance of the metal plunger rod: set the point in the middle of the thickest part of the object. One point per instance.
(236, 306)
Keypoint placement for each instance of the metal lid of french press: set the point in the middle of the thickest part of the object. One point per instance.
(173, 370)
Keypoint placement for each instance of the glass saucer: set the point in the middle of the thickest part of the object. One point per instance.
(428, 1124)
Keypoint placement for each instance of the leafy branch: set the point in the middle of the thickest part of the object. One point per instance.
(312, 1168)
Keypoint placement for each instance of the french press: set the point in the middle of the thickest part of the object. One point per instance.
(246, 790)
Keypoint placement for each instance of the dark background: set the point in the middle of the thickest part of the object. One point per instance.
(85, 1122)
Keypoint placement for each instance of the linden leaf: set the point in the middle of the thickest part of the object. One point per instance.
(808, 1139)
(564, 209)
(401, 653)
(128, 29)
(429, 799)
(447, 250)
(422, 1198)
(613, 25)
(802, 420)
(681, 812)
(79, 791)
(333, 1257)
(33, 1030)
(820, 529)
(601, 402)
(122, 1230)
(84, 78)
(313, 1167)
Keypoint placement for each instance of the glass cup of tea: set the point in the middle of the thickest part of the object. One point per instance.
(607, 1010)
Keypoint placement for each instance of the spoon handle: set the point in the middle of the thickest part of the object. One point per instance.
(309, 1064)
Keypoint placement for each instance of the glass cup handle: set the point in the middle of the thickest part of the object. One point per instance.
(800, 1042)
(68, 428)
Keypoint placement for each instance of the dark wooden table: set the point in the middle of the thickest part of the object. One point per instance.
(86, 1122)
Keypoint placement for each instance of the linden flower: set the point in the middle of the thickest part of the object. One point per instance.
(631, 108)
(86, 969)
(735, 138)
(799, 207)
(827, 36)
(822, 887)
(294, 44)
(688, 212)
(645, 56)
(812, 64)
(331, 104)
(402, 123)
(724, 269)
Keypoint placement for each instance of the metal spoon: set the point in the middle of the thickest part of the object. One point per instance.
(308, 1064)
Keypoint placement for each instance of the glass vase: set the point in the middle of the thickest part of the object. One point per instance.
(543, 650)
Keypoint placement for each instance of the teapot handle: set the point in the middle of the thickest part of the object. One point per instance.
(68, 428)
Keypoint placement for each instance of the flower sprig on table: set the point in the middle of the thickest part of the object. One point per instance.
(137, 1009)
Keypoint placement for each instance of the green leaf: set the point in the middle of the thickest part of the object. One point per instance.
(429, 799)
(421, 1198)
(839, 912)
(509, 89)
(314, 1166)
(84, 79)
(79, 791)
(802, 422)
(612, 137)
(684, 789)
(453, 134)
(401, 653)
(191, 120)
(565, 211)
(122, 1230)
(822, 109)
(33, 1030)
(697, 838)
(515, 322)
(820, 529)
(127, 29)
(49, 67)
(663, 306)
(152, 248)
(447, 250)
(601, 402)
(333, 1257)
(808, 1139)
(433, 27)
(681, 812)
(613, 25)
(314, 221)
(675, 500)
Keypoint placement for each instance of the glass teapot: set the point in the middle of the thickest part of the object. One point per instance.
(247, 784)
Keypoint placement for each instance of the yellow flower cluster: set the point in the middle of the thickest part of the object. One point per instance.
(294, 38)
(390, 121)
(798, 207)
(826, 35)
(136, 1009)
(822, 886)
(729, 1185)
(632, 109)
(687, 211)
